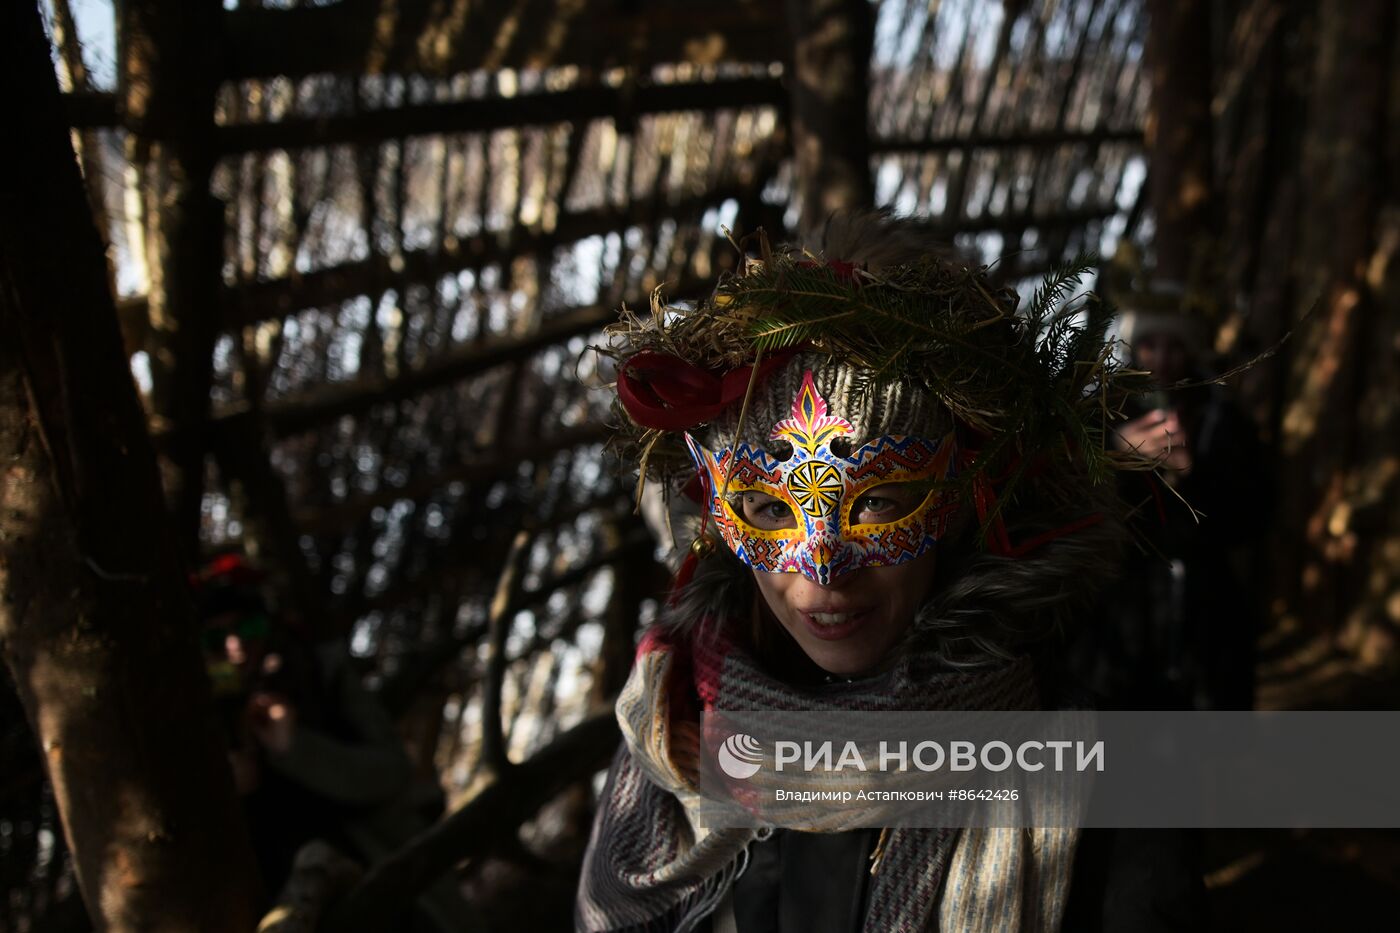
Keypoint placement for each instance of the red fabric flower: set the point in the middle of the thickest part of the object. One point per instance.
(843, 270)
(665, 392)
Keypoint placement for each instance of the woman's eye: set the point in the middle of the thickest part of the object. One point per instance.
(766, 512)
(885, 504)
(875, 505)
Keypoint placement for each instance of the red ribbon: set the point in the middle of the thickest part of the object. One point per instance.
(984, 499)
(227, 569)
(842, 270)
(665, 392)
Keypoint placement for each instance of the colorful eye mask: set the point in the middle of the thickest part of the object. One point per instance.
(822, 488)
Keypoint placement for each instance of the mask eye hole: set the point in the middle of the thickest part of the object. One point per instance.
(780, 451)
(888, 503)
(764, 512)
(841, 447)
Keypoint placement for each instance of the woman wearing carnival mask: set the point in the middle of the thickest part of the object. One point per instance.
(904, 500)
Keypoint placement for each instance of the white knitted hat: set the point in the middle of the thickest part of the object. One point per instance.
(873, 412)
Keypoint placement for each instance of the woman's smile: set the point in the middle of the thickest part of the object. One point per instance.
(834, 626)
(851, 626)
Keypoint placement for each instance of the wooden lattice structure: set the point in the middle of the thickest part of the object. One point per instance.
(360, 248)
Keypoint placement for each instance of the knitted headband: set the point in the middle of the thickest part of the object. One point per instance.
(873, 410)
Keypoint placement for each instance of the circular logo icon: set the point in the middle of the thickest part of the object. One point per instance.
(740, 756)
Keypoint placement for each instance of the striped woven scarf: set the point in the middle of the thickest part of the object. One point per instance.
(649, 866)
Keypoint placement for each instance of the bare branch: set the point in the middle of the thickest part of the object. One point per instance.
(493, 815)
(503, 609)
(475, 115)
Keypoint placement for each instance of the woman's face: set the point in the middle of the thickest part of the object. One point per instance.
(850, 626)
(1163, 355)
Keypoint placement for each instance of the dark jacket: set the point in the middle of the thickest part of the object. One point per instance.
(1176, 630)
(1123, 881)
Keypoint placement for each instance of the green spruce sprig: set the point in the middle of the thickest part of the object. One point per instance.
(1038, 389)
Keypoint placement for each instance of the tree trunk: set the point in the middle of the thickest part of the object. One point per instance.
(1178, 132)
(169, 77)
(1340, 435)
(830, 91)
(1309, 110)
(94, 614)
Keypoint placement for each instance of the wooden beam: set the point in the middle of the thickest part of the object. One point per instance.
(636, 543)
(91, 154)
(478, 827)
(247, 303)
(1041, 139)
(337, 519)
(91, 110)
(168, 79)
(419, 665)
(457, 565)
(830, 87)
(95, 109)
(321, 875)
(636, 551)
(1179, 132)
(576, 105)
(243, 461)
(990, 75)
(1058, 220)
(318, 406)
(634, 581)
(501, 618)
(313, 408)
(351, 37)
(251, 303)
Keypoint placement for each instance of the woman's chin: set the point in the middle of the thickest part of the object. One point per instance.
(859, 653)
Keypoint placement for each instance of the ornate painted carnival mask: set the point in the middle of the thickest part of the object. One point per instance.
(820, 512)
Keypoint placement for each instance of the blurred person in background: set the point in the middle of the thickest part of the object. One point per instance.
(1177, 628)
(314, 755)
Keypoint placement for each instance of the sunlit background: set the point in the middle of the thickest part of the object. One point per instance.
(425, 217)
